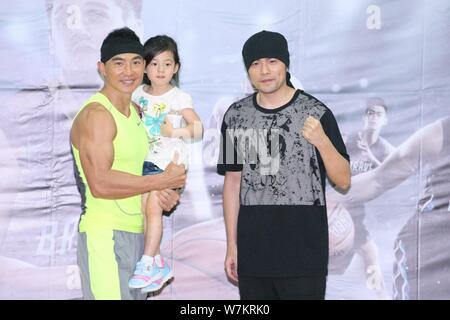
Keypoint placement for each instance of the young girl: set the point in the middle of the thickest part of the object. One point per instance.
(170, 120)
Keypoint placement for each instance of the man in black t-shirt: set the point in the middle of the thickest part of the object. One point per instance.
(277, 147)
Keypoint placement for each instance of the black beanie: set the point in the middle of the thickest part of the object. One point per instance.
(265, 44)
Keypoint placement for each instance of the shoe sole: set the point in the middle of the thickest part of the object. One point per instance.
(145, 284)
(165, 279)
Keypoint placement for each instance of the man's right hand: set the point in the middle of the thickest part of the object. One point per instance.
(231, 263)
(174, 175)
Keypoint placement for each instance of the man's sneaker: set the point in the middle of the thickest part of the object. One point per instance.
(144, 274)
(166, 273)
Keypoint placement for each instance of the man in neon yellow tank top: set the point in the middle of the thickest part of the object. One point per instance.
(109, 145)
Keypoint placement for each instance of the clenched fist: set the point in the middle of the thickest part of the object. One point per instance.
(313, 132)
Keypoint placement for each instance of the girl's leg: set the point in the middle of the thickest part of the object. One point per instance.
(153, 236)
(153, 225)
(146, 272)
(143, 206)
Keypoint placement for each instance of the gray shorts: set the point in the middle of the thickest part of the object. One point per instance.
(107, 259)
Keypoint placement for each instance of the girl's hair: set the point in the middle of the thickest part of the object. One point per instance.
(156, 45)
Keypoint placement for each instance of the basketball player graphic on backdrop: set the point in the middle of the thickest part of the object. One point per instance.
(348, 235)
(421, 261)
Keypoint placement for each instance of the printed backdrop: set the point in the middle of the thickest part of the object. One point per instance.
(386, 235)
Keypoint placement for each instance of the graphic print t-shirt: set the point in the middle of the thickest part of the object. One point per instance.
(155, 109)
(282, 223)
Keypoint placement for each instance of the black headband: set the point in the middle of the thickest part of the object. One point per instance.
(111, 48)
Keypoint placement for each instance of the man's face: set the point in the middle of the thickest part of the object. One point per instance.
(78, 29)
(267, 75)
(375, 117)
(123, 72)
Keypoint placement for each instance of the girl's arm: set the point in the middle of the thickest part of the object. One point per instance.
(193, 131)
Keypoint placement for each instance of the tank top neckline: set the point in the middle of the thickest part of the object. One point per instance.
(118, 111)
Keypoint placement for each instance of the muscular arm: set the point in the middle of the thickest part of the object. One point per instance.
(93, 134)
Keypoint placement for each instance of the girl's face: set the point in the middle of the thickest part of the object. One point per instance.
(161, 69)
